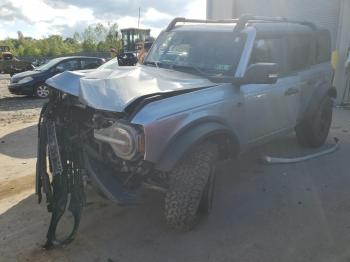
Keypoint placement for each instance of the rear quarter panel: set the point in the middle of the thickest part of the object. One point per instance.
(315, 83)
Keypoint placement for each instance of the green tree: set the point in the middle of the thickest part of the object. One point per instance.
(97, 37)
(21, 50)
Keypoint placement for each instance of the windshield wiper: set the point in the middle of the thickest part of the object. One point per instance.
(154, 63)
(174, 66)
(187, 67)
(218, 77)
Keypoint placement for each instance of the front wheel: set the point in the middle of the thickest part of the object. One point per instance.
(313, 132)
(42, 91)
(191, 187)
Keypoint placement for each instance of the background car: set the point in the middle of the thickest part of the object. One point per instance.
(32, 83)
(111, 64)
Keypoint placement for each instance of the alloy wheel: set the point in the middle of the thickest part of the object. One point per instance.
(42, 91)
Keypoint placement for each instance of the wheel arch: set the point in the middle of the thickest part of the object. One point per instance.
(317, 96)
(192, 135)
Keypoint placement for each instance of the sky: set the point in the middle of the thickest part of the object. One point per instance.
(40, 18)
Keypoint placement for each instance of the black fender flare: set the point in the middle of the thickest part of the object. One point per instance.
(317, 98)
(191, 136)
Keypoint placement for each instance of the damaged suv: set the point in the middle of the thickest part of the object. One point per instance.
(208, 90)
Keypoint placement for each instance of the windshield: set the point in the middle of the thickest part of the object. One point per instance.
(209, 53)
(111, 64)
(49, 64)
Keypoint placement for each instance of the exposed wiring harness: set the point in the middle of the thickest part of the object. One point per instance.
(64, 189)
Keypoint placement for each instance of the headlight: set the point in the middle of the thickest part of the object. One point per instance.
(25, 80)
(124, 139)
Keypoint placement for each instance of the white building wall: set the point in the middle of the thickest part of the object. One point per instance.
(217, 9)
(324, 13)
(343, 43)
(220, 9)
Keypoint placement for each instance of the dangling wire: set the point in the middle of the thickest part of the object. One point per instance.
(66, 190)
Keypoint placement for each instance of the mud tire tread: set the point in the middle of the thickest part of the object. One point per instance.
(187, 184)
(307, 131)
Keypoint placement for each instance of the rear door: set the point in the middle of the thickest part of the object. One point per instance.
(301, 59)
(318, 71)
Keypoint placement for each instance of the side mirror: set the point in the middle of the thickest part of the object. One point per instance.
(259, 73)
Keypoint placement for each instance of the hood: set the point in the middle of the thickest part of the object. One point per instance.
(26, 73)
(114, 90)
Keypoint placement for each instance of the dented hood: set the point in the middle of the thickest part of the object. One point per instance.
(114, 90)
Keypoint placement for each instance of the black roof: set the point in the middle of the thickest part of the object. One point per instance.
(276, 29)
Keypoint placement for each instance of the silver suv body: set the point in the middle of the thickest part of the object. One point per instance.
(207, 90)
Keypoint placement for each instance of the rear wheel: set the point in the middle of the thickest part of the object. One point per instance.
(191, 187)
(42, 91)
(313, 132)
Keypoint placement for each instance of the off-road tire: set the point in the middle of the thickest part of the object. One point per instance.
(313, 132)
(188, 182)
(206, 203)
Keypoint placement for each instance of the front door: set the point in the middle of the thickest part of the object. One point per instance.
(267, 108)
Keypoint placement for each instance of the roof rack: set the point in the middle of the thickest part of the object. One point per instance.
(241, 22)
(201, 21)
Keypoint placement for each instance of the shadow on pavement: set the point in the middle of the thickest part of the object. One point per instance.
(20, 102)
(20, 144)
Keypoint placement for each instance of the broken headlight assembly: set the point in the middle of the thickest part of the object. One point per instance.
(126, 140)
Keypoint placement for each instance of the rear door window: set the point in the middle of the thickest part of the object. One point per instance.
(90, 63)
(69, 65)
(300, 52)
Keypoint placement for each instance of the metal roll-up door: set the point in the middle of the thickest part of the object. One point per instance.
(324, 13)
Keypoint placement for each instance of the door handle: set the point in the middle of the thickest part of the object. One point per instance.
(291, 91)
